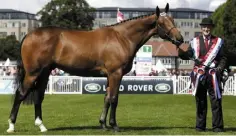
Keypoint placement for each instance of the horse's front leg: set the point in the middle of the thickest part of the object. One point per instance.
(105, 110)
(114, 82)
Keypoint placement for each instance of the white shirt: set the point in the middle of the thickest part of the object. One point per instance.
(209, 38)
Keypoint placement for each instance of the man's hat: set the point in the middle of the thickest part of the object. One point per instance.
(207, 21)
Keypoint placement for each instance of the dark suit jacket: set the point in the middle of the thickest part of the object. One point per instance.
(221, 58)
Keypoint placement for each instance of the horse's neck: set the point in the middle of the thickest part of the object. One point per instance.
(137, 32)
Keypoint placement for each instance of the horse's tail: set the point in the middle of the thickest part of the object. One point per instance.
(19, 78)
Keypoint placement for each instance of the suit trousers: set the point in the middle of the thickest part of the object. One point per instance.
(201, 105)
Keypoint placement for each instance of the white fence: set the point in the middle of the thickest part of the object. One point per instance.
(73, 84)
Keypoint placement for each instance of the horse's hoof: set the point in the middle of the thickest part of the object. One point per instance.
(10, 130)
(116, 129)
(104, 127)
(44, 130)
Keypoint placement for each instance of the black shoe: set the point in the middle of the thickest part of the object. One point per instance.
(200, 130)
(218, 130)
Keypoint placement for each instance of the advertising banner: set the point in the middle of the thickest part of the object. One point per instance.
(129, 86)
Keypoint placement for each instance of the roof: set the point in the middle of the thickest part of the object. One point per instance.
(151, 9)
(164, 49)
(13, 11)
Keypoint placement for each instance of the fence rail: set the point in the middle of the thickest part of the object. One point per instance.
(130, 84)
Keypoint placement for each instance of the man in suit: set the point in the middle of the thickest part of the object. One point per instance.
(210, 61)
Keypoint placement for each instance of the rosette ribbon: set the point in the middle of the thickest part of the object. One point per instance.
(215, 83)
(200, 74)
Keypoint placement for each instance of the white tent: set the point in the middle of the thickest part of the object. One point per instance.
(159, 66)
(7, 63)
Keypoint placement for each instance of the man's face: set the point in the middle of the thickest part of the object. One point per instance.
(206, 29)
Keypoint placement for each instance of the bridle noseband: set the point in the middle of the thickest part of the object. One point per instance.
(167, 35)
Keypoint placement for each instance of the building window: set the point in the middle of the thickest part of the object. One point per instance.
(13, 33)
(13, 24)
(3, 25)
(23, 33)
(3, 34)
(176, 24)
(197, 34)
(135, 14)
(196, 25)
(100, 14)
(186, 34)
(187, 42)
(23, 25)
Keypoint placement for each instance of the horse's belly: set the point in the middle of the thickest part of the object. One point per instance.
(83, 72)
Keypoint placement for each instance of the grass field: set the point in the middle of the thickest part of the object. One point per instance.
(136, 114)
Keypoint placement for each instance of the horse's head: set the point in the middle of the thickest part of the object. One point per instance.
(166, 27)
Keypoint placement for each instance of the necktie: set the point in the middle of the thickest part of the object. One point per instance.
(206, 43)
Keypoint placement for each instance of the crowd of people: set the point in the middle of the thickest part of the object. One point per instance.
(168, 72)
(8, 70)
(12, 71)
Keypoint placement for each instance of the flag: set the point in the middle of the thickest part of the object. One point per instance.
(120, 16)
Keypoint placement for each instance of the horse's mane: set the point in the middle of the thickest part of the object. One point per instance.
(134, 18)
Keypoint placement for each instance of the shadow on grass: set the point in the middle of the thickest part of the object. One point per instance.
(230, 129)
(130, 128)
(127, 128)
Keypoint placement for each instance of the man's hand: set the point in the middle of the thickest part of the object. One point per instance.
(218, 69)
(225, 76)
(198, 62)
(177, 43)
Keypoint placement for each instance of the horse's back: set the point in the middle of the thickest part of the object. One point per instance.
(68, 49)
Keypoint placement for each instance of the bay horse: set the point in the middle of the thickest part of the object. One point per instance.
(108, 51)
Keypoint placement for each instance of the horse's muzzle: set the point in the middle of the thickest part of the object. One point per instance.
(177, 42)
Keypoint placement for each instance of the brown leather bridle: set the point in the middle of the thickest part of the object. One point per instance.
(168, 37)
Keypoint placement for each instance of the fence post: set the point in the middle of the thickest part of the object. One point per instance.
(81, 87)
(234, 83)
(174, 84)
(50, 85)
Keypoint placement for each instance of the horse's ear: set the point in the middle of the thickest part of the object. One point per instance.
(157, 12)
(167, 7)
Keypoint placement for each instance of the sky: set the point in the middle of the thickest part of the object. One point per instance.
(33, 6)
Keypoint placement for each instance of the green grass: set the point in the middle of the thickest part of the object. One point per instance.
(136, 114)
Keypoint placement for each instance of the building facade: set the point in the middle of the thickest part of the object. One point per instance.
(18, 23)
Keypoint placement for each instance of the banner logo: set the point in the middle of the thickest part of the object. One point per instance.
(162, 88)
(92, 87)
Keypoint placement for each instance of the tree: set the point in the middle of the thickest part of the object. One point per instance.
(9, 48)
(74, 14)
(229, 25)
(217, 18)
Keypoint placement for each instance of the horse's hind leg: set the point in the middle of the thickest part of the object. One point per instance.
(14, 112)
(28, 82)
(41, 85)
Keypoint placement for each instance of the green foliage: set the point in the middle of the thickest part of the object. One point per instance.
(9, 48)
(74, 14)
(229, 25)
(217, 18)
